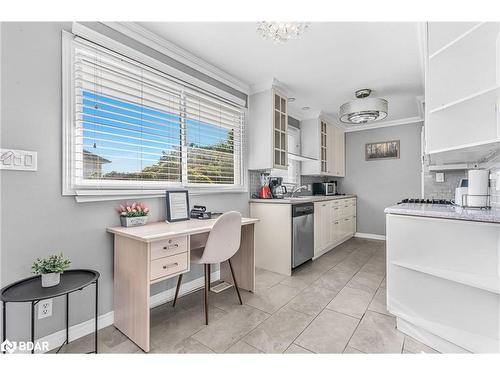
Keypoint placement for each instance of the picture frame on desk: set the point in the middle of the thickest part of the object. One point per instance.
(177, 202)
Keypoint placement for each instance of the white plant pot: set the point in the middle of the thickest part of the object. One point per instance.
(50, 279)
(133, 221)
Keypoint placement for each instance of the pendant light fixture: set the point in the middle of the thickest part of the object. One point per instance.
(363, 109)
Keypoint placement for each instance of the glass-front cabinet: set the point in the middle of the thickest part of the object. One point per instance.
(267, 129)
(280, 121)
(323, 147)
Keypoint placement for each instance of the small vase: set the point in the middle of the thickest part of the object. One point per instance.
(50, 279)
(133, 221)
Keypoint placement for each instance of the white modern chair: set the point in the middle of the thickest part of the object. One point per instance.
(222, 243)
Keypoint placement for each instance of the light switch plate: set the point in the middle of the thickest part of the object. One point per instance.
(18, 160)
(497, 182)
(439, 176)
(45, 308)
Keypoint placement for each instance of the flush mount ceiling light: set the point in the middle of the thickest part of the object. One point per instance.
(306, 108)
(363, 109)
(291, 99)
(281, 32)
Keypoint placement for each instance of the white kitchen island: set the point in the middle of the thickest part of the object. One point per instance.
(443, 279)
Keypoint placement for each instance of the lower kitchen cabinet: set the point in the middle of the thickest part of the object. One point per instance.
(334, 223)
(443, 282)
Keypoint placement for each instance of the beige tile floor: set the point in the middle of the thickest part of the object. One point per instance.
(335, 304)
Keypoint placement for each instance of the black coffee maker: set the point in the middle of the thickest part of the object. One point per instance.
(277, 190)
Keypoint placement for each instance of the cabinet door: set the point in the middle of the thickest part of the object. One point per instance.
(324, 146)
(331, 150)
(280, 124)
(317, 228)
(353, 225)
(340, 152)
(326, 223)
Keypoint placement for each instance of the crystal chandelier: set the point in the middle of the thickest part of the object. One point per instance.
(281, 32)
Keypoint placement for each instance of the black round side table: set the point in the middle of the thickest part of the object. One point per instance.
(30, 290)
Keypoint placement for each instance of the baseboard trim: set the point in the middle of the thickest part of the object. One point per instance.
(82, 329)
(370, 236)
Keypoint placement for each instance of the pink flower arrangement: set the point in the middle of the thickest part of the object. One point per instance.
(133, 209)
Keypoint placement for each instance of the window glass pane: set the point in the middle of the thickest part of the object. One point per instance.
(277, 120)
(210, 153)
(276, 102)
(276, 139)
(277, 157)
(122, 140)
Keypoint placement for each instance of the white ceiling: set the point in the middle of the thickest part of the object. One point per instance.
(323, 68)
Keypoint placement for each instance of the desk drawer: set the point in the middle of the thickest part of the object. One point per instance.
(169, 265)
(172, 246)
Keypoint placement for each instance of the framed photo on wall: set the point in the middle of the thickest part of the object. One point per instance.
(177, 205)
(382, 150)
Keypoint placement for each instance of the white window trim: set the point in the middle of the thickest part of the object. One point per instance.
(117, 191)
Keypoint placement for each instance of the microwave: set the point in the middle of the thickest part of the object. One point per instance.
(324, 188)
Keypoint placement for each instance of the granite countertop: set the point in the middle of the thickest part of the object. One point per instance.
(443, 211)
(303, 199)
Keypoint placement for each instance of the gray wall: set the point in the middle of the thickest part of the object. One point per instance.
(36, 219)
(382, 183)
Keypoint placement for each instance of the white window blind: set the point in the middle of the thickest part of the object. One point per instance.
(135, 127)
(213, 137)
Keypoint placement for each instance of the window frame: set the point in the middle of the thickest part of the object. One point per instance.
(111, 189)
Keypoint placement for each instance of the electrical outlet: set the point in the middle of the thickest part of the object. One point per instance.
(45, 308)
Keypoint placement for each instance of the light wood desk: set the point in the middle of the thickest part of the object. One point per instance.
(159, 251)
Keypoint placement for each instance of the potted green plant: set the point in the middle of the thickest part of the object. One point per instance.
(50, 268)
(133, 214)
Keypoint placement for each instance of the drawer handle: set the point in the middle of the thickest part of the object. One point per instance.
(169, 247)
(170, 265)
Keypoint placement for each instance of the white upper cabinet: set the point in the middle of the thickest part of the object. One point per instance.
(339, 152)
(462, 85)
(267, 130)
(325, 143)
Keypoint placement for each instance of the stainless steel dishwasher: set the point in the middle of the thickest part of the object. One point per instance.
(302, 233)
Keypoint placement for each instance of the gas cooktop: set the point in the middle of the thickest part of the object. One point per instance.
(426, 201)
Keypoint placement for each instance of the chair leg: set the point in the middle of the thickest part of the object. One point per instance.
(235, 282)
(179, 280)
(207, 275)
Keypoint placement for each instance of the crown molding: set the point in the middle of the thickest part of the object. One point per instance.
(268, 85)
(385, 124)
(152, 40)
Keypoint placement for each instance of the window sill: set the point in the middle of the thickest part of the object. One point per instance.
(88, 195)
